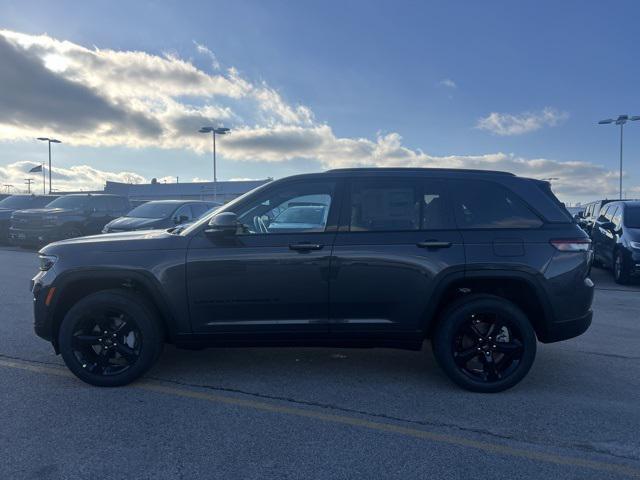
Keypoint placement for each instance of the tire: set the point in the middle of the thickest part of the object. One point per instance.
(504, 357)
(132, 344)
(621, 273)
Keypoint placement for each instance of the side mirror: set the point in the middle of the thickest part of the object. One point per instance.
(608, 226)
(181, 219)
(224, 224)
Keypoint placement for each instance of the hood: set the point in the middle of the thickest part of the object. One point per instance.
(34, 212)
(143, 240)
(137, 223)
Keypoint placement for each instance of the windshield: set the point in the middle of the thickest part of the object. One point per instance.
(632, 217)
(16, 201)
(153, 210)
(311, 215)
(70, 201)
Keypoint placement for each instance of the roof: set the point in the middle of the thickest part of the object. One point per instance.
(419, 170)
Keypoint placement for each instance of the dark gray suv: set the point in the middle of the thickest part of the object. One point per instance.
(482, 264)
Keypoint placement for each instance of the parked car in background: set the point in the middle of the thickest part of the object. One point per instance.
(10, 204)
(480, 263)
(159, 214)
(616, 239)
(298, 217)
(68, 216)
(591, 213)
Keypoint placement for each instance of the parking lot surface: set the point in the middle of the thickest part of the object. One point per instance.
(321, 413)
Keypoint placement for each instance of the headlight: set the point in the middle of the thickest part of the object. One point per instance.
(47, 261)
(635, 245)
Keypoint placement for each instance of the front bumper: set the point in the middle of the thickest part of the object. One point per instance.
(42, 236)
(42, 318)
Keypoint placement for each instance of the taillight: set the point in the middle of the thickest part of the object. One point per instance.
(571, 244)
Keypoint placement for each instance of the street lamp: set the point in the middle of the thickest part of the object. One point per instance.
(50, 140)
(214, 131)
(621, 120)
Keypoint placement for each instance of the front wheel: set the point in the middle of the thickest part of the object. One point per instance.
(621, 269)
(484, 343)
(110, 338)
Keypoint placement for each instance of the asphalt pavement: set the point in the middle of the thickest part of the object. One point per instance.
(321, 413)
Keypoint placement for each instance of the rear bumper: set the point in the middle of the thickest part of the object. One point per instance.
(558, 331)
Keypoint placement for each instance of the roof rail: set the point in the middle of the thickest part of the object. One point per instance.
(419, 169)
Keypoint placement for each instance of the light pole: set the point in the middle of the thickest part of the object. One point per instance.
(50, 141)
(621, 120)
(214, 131)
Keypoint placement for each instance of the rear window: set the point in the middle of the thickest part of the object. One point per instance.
(482, 204)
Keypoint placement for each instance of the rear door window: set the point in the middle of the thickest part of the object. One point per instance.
(389, 204)
(482, 204)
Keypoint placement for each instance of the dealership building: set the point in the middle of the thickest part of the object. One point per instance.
(219, 191)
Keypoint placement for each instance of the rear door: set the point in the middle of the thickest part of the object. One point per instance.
(396, 239)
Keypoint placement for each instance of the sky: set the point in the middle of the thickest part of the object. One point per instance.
(306, 86)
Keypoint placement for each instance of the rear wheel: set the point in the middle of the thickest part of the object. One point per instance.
(110, 338)
(484, 343)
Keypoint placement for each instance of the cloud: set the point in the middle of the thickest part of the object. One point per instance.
(100, 97)
(447, 82)
(507, 124)
(64, 179)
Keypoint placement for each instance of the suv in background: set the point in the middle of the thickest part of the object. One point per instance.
(482, 264)
(159, 214)
(616, 239)
(68, 216)
(589, 216)
(12, 203)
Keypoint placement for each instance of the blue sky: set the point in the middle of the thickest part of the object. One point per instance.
(426, 71)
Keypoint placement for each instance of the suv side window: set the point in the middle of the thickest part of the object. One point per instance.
(116, 204)
(300, 207)
(389, 204)
(185, 211)
(483, 204)
(99, 204)
(611, 211)
(602, 217)
(617, 218)
(198, 209)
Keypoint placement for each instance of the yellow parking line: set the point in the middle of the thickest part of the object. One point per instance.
(493, 448)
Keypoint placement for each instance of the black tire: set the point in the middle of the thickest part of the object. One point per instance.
(621, 273)
(132, 344)
(496, 363)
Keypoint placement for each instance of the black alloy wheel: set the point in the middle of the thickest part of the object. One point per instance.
(107, 342)
(487, 348)
(110, 338)
(484, 343)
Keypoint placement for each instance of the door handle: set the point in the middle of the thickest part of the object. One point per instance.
(433, 244)
(305, 247)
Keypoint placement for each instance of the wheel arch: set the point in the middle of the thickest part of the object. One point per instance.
(521, 288)
(76, 285)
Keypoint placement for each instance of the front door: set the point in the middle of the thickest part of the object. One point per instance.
(396, 239)
(273, 276)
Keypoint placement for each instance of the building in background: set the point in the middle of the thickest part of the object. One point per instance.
(223, 192)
